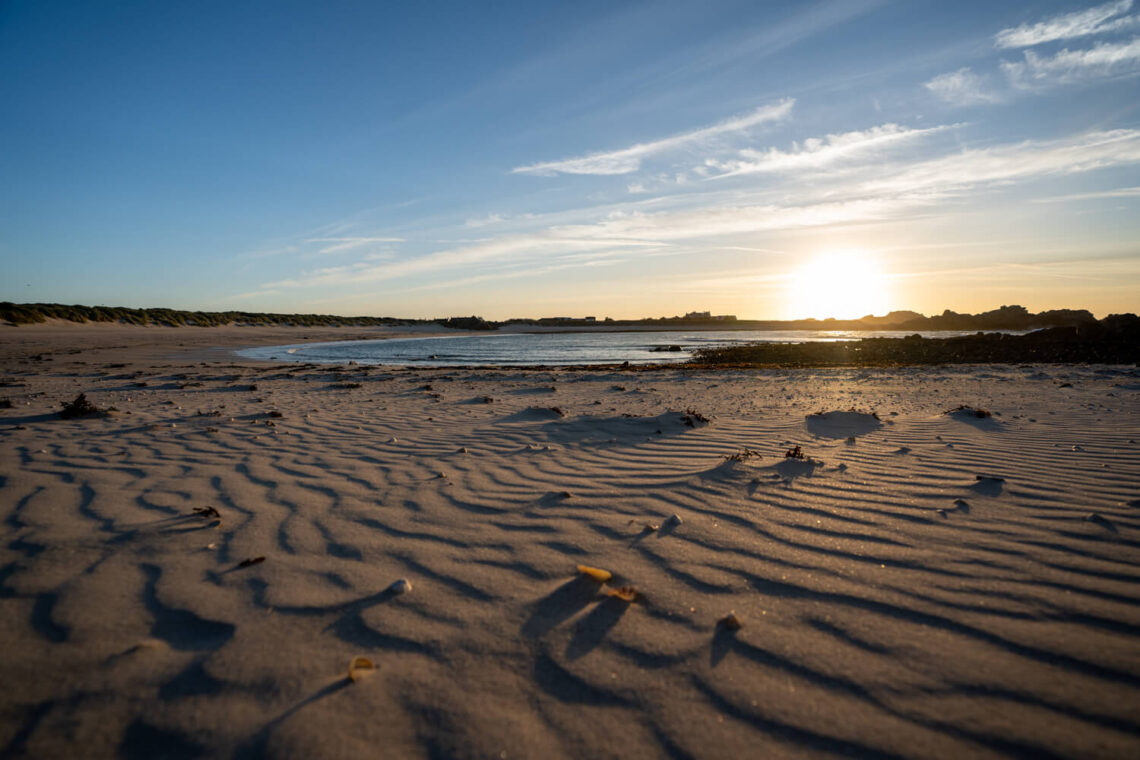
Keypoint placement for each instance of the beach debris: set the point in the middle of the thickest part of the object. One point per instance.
(692, 418)
(5, 403)
(359, 667)
(794, 452)
(730, 622)
(487, 400)
(989, 479)
(207, 513)
(251, 561)
(743, 455)
(275, 413)
(252, 387)
(673, 520)
(556, 410)
(943, 513)
(624, 593)
(1096, 517)
(564, 494)
(1065, 385)
(80, 407)
(462, 449)
(400, 586)
(970, 411)
(594, 573)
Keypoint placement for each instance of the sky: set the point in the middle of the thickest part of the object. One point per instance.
(528, 159)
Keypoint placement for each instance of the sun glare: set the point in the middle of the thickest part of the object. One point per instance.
(844, 285)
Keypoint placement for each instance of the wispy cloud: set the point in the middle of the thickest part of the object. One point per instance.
(628, 160)
(818, 153)
(1123, 192)
(485, 221)
(1067, 66)
(867, 187)
(962, 88)
(1096, 20)
(502, 249)
(342, 244)
(1031, 159)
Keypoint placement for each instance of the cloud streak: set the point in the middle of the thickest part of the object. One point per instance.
(1123, 192)
(342, 244)
(1095, 20)
(962, 88)
(819, 153)
(1068, 66)
(628, 160)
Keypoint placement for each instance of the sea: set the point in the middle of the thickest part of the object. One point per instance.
(556, 348)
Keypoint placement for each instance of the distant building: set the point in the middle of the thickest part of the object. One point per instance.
(699, 315)
(591, 319)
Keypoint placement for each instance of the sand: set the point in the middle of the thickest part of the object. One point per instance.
(917, 585)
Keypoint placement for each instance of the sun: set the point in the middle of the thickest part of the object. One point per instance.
(844, 285)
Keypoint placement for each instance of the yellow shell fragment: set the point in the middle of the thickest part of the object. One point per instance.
(360, 667)
(601, 576)
(625, 593)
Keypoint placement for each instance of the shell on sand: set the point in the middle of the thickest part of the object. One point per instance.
(625, 593)
(594, 573)
(401, 586)
(360, 667)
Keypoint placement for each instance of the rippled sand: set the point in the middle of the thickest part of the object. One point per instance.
(919, 585)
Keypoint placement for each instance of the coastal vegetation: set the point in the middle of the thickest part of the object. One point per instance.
(32, 313)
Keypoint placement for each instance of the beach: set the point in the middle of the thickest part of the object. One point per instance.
(946, 567)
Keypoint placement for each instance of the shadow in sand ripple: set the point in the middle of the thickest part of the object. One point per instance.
(143, 741)
(181, 629)
(564, 686)
(560, 605)
(592, 629)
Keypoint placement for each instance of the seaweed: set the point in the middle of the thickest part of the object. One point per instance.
(80, 407)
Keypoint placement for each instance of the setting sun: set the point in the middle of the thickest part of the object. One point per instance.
(845, 285)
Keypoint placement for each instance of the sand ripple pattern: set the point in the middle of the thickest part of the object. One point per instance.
(924, 586)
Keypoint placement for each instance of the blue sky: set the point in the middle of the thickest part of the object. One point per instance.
(603, 158)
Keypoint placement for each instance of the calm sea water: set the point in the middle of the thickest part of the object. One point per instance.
(515, 349)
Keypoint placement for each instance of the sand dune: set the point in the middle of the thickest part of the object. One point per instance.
(921, 584)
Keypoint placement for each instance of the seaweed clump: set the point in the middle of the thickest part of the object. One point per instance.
(80, 407)
(981, 414)
(692, 418)
(741, 456)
